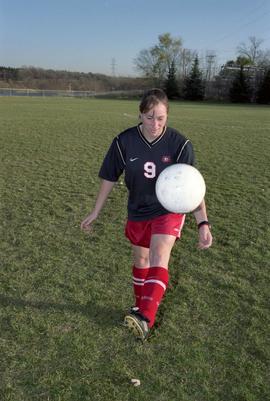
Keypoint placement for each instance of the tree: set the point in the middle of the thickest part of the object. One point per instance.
(193, 84)
(9, 73)
(156, 61)
(240, 91)
(253, 52)
(146, 63)
(171, 84)
(263, 95)
(243, 61)
(185, 64)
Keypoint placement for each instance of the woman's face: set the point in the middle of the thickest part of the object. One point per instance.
(153, 121)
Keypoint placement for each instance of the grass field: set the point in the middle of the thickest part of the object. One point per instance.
(63, 294)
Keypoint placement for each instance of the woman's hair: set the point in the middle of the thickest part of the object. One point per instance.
(151, 98)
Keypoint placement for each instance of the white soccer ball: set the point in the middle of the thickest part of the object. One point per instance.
(180, 188)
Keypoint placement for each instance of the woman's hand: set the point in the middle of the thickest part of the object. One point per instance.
(86, 224)
(205, 237)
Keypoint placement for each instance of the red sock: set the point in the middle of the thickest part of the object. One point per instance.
(154, 288)
(139, 275)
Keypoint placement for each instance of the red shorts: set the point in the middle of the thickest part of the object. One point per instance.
(140, 232)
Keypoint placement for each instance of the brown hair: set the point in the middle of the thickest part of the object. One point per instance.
(151, 98)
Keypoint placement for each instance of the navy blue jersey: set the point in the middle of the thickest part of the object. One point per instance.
(142, 162)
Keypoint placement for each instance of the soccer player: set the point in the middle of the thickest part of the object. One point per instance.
(142, 152)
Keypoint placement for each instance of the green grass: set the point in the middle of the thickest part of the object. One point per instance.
(63, 294)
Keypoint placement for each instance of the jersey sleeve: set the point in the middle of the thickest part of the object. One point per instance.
(114, 162)
(185, 153)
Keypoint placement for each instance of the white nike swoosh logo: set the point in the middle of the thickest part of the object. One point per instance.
(132, 159)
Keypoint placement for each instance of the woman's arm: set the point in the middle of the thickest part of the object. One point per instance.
(104, 191)
(205, 236)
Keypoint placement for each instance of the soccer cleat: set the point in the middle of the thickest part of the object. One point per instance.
(137, 324)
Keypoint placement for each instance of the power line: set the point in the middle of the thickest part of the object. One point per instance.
(240, 26)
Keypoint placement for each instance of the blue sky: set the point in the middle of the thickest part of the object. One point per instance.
(86, 36)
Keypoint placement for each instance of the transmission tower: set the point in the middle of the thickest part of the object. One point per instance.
(113, 66)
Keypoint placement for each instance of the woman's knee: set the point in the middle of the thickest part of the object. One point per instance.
(160, 250)
(141, 261)
(159, 259)
(141, 257)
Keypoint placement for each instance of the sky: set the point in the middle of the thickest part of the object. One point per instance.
(105, 36)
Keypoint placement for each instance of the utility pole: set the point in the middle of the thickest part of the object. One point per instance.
(113, 66)
(210, 59)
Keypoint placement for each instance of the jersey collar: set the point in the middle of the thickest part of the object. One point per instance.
(150, 144)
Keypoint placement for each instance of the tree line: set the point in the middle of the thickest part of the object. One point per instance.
(29, 77)
(167, 64)
(183, 75)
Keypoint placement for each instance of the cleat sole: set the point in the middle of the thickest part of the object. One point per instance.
(134, 327)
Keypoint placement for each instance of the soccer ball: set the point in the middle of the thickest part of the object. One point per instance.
(180, 188)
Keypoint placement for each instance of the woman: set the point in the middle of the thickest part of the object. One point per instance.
(143, 152)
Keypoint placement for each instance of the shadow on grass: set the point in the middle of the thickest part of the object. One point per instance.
(101, 315)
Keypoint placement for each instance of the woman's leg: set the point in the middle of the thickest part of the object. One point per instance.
(140, 256)
(140, 271)
(151, 266)
(157, 279)
(160, 249)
